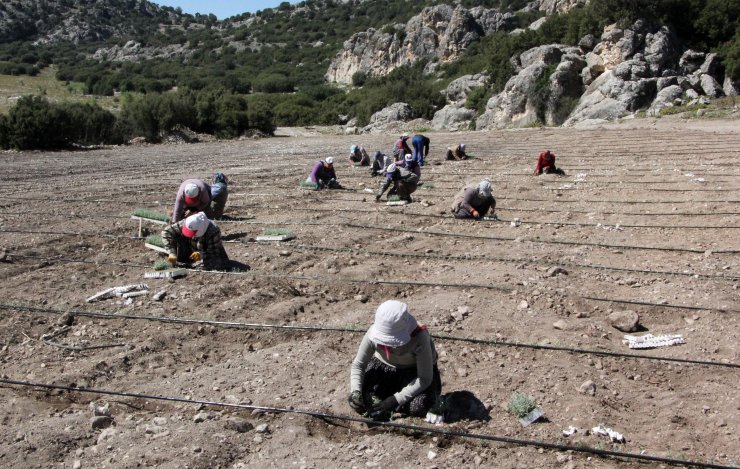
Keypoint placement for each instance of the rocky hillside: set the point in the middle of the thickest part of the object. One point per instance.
(441, 34)
(459, 65)
(53, 21)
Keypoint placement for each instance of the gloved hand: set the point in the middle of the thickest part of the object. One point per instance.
(435, 418)
(475, 213)
(172, 259)
(377, 198)
(195, 257)
(355, 401)
(383, 410)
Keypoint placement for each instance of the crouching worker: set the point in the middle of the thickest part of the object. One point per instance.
(380, 162)
(193, 196)
(219, 194)
(323, 175)
(546, 164)
(457, 153)
(404, 183)
(395, 368)
(358, 154)
(194, 239)
(410, 164)
(474, 201)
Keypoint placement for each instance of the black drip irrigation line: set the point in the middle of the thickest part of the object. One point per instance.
(659, 305)
(389, 425)
(304, 247)
(599, 212)
(66, 233)
(571, 243)
(624, 201)
(324, 328)
(316, 278)
(449, 217)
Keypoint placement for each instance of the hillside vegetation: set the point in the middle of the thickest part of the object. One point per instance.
(273, 62)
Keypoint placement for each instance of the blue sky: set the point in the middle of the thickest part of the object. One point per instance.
(221, 8)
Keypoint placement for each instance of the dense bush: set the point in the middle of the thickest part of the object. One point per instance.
(35, 123)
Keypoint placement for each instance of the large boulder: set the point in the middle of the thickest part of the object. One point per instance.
(690, 61)
(730, 86)
(710, 86)
(360, 53)
(559, 6)
(667, 97)
(710, 65)
(459, 88)
(565, 89)
(491, 20)
(453, 117)
(530, 97)
(610, 97)
(632, 70)
(618, 45)
(661, 51)
(393, 113)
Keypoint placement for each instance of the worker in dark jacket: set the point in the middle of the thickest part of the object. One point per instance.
(358, 154)
(323, 174)
(219, 194)
(395, 368)
(194, 239)
(457, 153)
(474, 201)
(546, 164)
(421, 148)
(404, 183)
(193, 196)
(401, 147)
(380, 162)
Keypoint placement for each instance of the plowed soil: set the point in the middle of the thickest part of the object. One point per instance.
(645, 213)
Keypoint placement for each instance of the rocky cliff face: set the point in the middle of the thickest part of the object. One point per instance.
(52, 21)
(440, 32)
(639, 68)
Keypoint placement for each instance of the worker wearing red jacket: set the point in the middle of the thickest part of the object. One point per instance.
(546, 164)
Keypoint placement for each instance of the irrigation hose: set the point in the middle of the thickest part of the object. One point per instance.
(323, 328)
(571, 243)
(319, 278)
(390, 425)
(660, 305)
(304, 247)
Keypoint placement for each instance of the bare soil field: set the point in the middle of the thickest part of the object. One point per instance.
(646, 220)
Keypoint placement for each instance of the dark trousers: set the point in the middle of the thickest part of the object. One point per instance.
(383, 381)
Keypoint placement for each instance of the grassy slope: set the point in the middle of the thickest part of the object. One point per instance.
(12, 87)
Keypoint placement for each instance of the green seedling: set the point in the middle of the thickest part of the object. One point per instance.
(309, 185)
(151, 214)
(520, 405)
(162, 265)
(276, 232)
(154, 240)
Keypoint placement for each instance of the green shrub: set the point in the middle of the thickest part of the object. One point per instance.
(34, 123)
